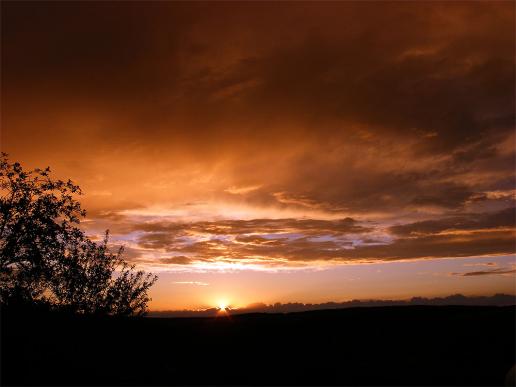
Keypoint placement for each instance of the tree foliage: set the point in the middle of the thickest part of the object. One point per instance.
(46, 257)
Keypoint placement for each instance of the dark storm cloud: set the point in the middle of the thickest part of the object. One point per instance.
(446, 70)
(365, 190)
(89, 47)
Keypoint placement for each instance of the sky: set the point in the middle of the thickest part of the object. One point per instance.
(277, 151)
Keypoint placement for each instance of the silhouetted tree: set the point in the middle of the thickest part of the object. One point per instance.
(45, 257)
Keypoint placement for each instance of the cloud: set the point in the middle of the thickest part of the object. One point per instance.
(236, 227)
(292, 242)
(500, 271)
(481, 264)
(196, 283)
(436, 246)
(273, 134)
(501, 219)
(177, 260)
(241, 190)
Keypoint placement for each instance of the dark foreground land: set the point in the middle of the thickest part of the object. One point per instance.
(412, 345)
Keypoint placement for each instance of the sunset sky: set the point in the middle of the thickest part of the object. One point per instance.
(277, 152)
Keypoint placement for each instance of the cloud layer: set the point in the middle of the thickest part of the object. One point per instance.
(174, 244)
(272, 135)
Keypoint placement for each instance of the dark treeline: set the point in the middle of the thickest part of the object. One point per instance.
(405, 345)
(456, 299)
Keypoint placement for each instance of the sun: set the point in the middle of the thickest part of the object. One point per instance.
(223, 306)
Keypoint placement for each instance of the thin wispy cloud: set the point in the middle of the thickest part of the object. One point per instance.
(500, 271)
(196, 283)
